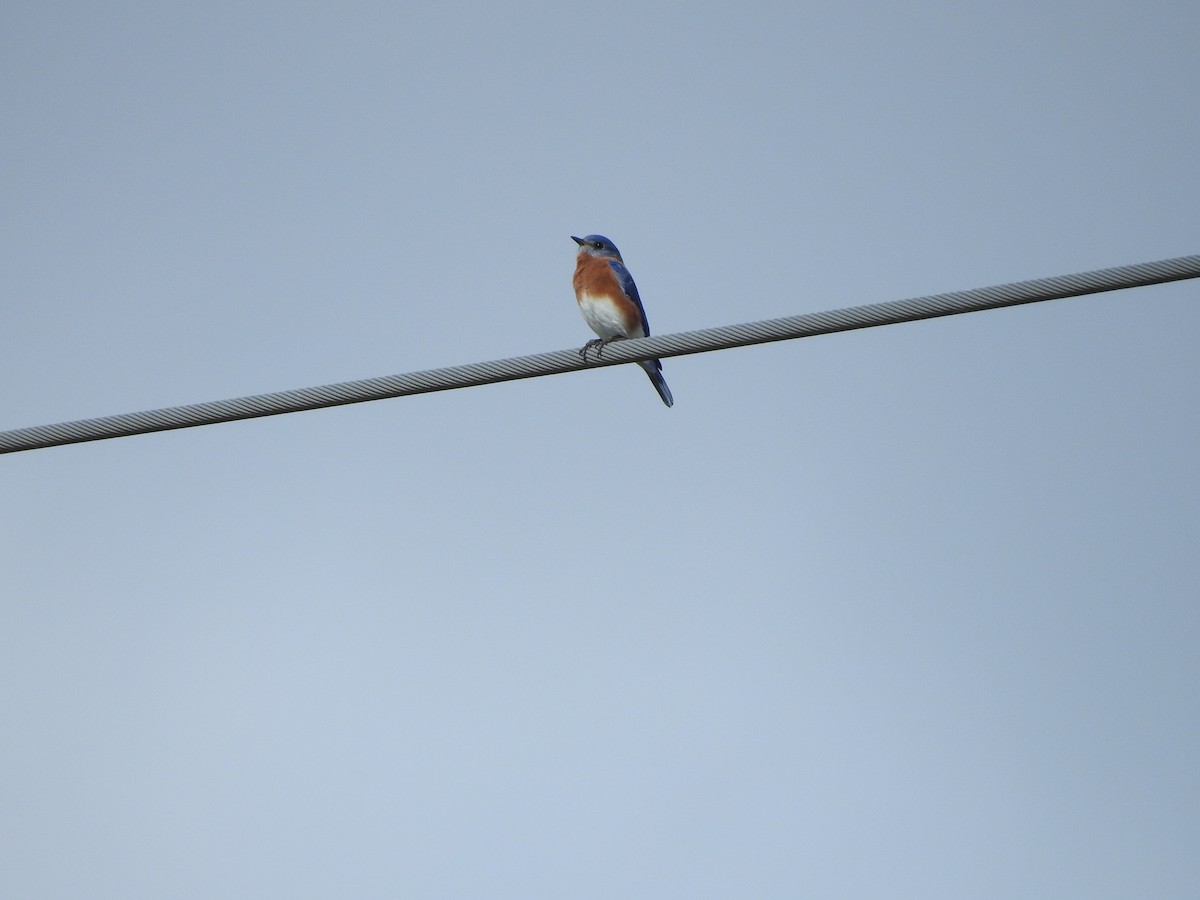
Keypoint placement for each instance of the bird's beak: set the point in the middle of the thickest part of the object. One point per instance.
(579, 241)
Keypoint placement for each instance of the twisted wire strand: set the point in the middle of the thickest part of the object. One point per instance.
(557, 362)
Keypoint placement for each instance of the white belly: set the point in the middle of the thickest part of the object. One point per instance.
(604, 318)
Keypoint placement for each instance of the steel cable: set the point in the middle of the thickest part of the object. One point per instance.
(720, 338)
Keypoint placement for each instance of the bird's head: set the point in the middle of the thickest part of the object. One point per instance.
(597, 245)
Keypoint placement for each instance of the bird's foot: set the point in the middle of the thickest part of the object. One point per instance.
(583, 351)
(597, 344)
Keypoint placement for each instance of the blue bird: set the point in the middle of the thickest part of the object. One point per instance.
(610, 304)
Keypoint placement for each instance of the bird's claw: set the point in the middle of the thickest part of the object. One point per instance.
(599, 344)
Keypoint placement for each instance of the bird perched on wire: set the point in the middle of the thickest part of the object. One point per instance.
(610, 304)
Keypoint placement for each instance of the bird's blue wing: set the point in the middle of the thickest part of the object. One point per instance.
(630, 289)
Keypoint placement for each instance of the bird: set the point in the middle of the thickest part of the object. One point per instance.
(610, 304)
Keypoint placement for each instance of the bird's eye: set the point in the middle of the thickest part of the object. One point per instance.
(597, 245)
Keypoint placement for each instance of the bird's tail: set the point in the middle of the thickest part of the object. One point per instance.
(654, 369)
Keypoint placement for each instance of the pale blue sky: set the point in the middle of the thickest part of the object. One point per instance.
(908, 612)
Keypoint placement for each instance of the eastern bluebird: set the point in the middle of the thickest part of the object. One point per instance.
(610, 304)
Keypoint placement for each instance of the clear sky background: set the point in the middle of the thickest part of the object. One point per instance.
(907, 612)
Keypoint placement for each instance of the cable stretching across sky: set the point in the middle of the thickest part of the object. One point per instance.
(626, 351)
